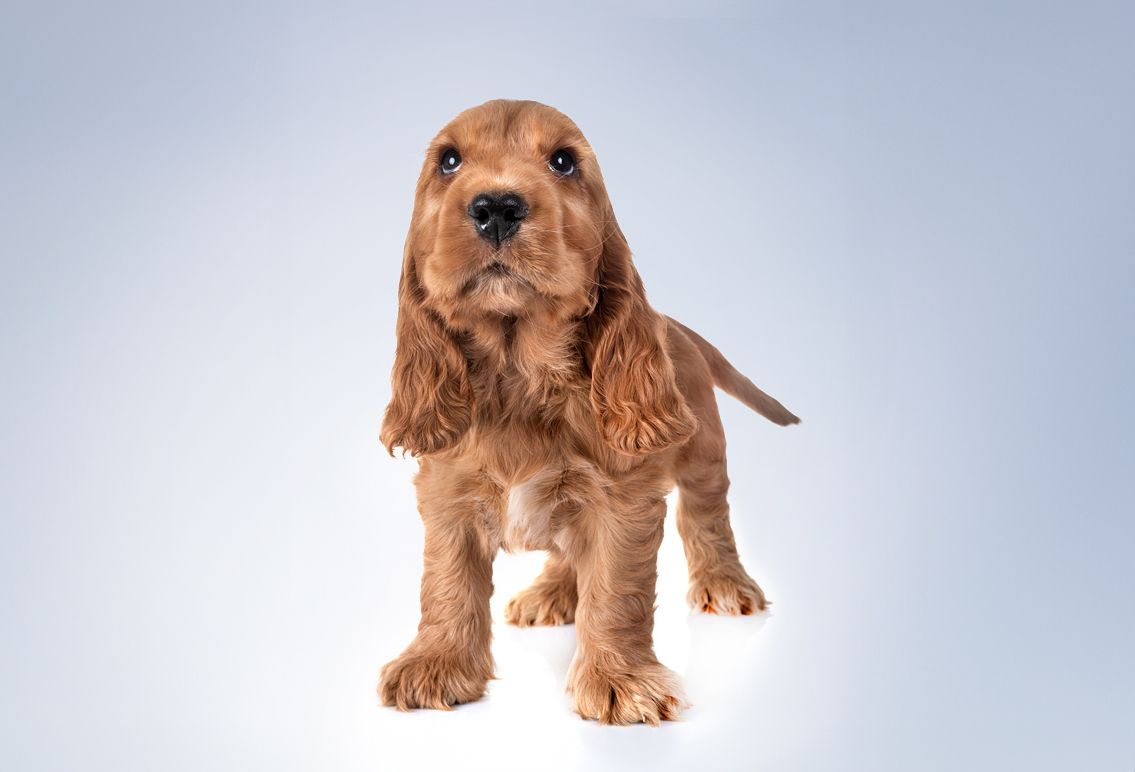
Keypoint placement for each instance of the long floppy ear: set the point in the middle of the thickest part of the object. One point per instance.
(635, 397)
(431, 404)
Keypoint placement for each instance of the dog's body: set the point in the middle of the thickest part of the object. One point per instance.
(551, 409)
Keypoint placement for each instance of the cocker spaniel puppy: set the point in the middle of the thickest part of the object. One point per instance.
(550, 408)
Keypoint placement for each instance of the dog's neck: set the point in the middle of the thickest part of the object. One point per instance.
(526, 345)
(526, 363)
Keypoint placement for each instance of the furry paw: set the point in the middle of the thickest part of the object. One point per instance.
(732, 592)
(645, 694)
(432, 679)
(542, 604)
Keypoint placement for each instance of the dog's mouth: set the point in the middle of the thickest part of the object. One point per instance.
(496, 276)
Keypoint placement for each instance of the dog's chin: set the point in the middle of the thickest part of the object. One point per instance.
(498, 290)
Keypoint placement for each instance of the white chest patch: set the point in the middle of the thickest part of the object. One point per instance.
(528, 518)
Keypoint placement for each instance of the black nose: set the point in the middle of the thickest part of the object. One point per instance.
(497, 214)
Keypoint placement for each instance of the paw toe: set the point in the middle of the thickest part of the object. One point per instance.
(647, 695)
(727, 595)
(430, 681)
(538, 606)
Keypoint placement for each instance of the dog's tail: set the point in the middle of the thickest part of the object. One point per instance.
(733, 382)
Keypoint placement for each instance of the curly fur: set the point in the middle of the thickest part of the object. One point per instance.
(551, 407)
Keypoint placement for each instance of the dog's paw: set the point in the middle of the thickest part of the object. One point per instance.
(729, 592)
(645, 694)
(431, 679)
(542, 604)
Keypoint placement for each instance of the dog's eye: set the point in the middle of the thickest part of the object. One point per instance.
(562, 162)
(450, 161)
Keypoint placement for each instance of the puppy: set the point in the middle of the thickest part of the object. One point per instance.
(551, 408)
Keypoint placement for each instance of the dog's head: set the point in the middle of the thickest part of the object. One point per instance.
(512, 220)
(510, 212)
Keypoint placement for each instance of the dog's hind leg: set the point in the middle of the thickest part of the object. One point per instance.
(718, 582)
(551, 599)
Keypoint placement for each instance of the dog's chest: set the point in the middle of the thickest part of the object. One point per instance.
(540, 512)
(528, 515)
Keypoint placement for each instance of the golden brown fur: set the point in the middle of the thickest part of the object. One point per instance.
(551, 408)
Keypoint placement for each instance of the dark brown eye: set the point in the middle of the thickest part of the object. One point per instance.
(450, 161)
(562, 162)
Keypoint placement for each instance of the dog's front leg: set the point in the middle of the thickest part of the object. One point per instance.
(450, 661)
(615, 676)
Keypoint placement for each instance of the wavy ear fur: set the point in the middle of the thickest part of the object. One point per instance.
(635, 397)
(431, 404)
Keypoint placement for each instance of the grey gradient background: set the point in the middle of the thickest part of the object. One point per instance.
(913, 225)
